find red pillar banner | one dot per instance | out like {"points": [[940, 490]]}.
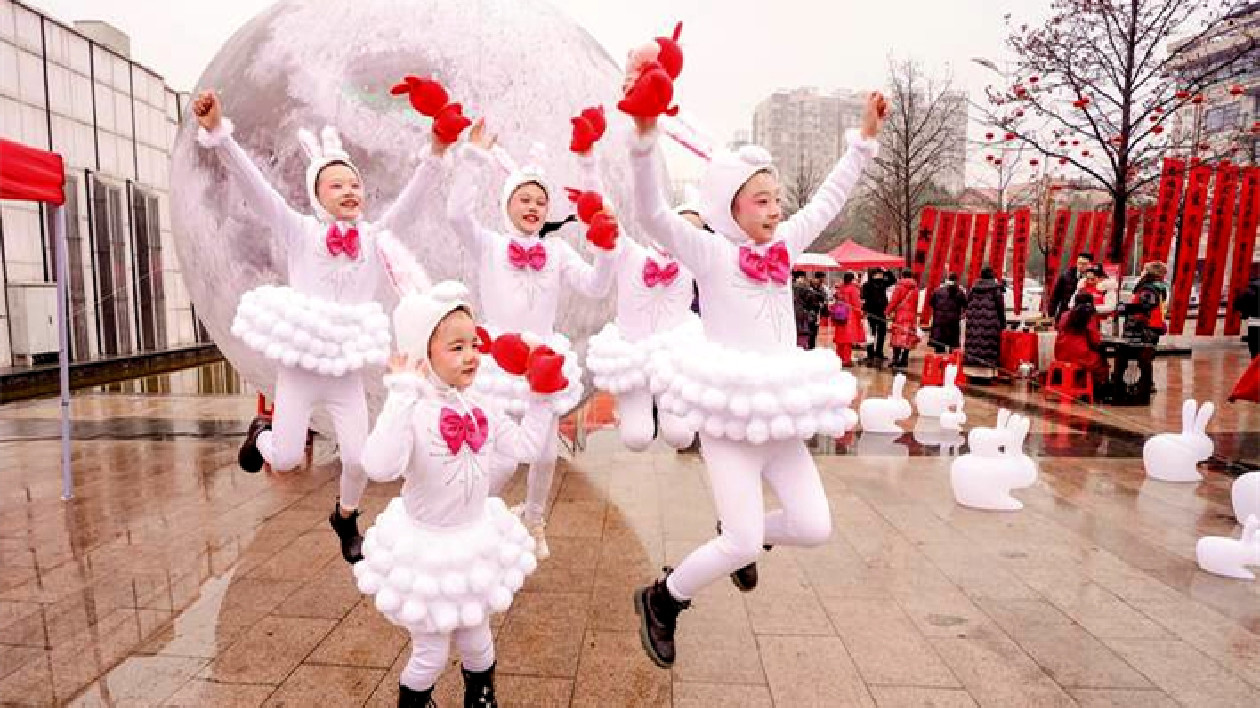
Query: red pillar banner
{"points": [[997, 249], [1170, 182], [978, 237], [927, 223], [958, 252], [944, 235], [1080, 236], [1188, 246], [1131, 219], [1054, 258], [1150, 233], [1244, 244], [1102, 228], [1019, 263], [1217, 248]]}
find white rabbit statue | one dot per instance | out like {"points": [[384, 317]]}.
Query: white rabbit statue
{"points": [[1172, 457], [1245, 494], [996, 464], [880, 415], [1229, 556], [932, 400]]}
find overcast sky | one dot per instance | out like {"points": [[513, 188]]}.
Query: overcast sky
{"points": [[738, 51]]}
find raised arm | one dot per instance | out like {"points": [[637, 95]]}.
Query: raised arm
{"points": [[387, 451], [215, 133], [694, 248], [470, 160], [406, 207], [803, 227], [593, 281]]}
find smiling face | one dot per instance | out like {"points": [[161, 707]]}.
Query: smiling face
{"points": [[527, 207], [453, 352], [339, 191], [756, 207]]}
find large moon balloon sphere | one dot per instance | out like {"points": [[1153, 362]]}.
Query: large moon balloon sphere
{"points": [[521, 64]]}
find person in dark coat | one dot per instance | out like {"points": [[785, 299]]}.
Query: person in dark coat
{"points": [[948, 304], [1247, 304], [1143, 326], [1066, 285], [875, 305], [986, 318], [807, 305]]}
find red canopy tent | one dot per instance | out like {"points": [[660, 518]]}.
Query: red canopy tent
{"points": [[32, 175], [855, 256]]}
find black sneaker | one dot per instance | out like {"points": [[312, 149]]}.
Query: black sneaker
{"points": [[658, 613], [347, 528], [249, 458], [479, 688]]}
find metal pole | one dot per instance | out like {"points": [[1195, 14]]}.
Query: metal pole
{"points": [[63, 355]]}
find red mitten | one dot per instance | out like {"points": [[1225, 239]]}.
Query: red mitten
{"points": [[546, 371], [603, 231], [588, 128], [449, 123], [595, 116], [426, 95], [671, 56], [484, 342], [650, 95], [588, 204], [511, 353]]}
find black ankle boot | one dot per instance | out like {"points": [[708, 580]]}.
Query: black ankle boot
{"points": [[411, 698], [745, 578], [658, 612], [479, 688], [249, 458], [347, 529]]}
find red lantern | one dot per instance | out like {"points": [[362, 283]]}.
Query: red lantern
{"points": [[997, 160], [1078, 104], [1117, 139], [988, 136], [1154, 119], [1158, 110], [1236, 90], [1183, 95], [1075, 143], [1063, 160], [1198, 98], [1034, 162], [1033, 79], [988, 158], [1157, 129], [1010, 136], [1084, 153], [1204, 147], [1062, 143], [1019, 113]]}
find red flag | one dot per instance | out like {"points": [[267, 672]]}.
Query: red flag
{"points": [[30, 175], [1058, 240], [1102, 226], [1244, 244], [1188, 247], [1170, 183], [997, 249], [944, 234], [927, 223], [1023, 219], [1131, 219], [1218, 247], [958, 252], [1080, 237], [978, 238]]}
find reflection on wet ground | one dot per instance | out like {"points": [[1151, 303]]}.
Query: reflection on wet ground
{"points": [[174, 578]]}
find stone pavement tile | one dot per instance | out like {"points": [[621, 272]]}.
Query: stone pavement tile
{"points": [[201, 692], [919, 697], [311, 685], [812, 671], [1121, 698], [704, 695], [269, 650], [614, 670], [996, 672], [886, 646], [363, 639], [1184, 673]]}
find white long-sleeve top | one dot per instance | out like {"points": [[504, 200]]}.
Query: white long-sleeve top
{"points": [[441, 488], [642, 310], [312, 270], [523, 300], [737, 311]]}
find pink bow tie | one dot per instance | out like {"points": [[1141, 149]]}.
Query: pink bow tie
{"points": [[534, 257], [654, 274], [339, 243], [458, 430], [775, 266]]}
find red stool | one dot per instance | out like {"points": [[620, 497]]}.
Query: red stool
{"points": [[1070, 381], [934, 366]]}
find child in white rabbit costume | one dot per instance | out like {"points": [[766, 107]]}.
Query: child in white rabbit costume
{"points": [[325, 326], [520, 276], [444, 555], [753, 395], [654, 294]]}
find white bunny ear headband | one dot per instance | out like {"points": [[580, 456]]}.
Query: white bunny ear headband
{"points": [[321, 152], [421, 305]]}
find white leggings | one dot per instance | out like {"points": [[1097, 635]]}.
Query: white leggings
{"points": [[735, 472], [297, 394], [634, 408], [538, 483], [430, 650]]}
